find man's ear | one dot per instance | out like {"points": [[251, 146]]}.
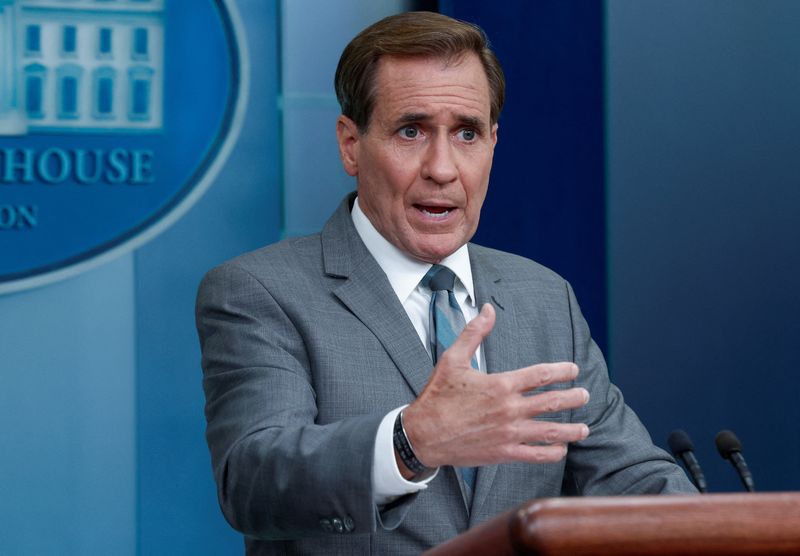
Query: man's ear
{"points": [[494, 136], [348, 137]]}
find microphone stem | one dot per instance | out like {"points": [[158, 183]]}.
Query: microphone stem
{"points": [[744, 472]]}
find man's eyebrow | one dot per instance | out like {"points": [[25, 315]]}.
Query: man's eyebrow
{"points": [[411, 117], [469, 121], [472, 121]]}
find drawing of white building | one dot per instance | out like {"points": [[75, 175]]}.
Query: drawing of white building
{"points": [[81, 66]]}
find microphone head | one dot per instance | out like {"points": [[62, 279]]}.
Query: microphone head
{"points": [[727, 444], [679, 442]]}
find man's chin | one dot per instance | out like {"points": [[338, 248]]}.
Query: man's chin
{"points": [[435, 252]]}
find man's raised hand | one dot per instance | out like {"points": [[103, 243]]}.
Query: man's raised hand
{"points": [[466, 418]]}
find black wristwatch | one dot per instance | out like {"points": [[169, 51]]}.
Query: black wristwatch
{"points": [[404, 449]]}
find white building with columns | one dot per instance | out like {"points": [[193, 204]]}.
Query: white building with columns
{"points": [[81, 66]]}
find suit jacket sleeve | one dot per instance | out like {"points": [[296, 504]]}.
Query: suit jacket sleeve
{"points": [[618, 457], [279, 474]]}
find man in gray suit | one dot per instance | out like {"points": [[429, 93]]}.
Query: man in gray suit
{"points": [[330, 427]]}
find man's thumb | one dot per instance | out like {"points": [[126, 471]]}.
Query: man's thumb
{"points": [[463, 349]]}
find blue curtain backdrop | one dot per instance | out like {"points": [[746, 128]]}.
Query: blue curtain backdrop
{"points": [[546, 194]]}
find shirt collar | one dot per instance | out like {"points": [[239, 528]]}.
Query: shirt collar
{"points": [[405, 272]]}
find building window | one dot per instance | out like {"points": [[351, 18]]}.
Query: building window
{"points": [[139, 43], [105, 96], [104, 93], [104, 42], [69, 77], [141, 97], [69, 40], [34, 91], [140, 93], [33, 96], [69, 97], [33, 39]]}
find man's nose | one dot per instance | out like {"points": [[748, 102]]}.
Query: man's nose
{"points": [[439, 162]]}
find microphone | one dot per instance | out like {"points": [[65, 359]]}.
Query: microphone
{"points": [[730, 448], [683, 449]]}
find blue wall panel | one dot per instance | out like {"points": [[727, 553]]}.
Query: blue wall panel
{"points": [[703, 225], [178, 512], [67, 416], [101, 405], [314, 180]]}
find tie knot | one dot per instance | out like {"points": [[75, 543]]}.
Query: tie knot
{"points": [[439, 278]]}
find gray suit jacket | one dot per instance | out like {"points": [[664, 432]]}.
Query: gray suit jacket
{"points": [[305, 349]]}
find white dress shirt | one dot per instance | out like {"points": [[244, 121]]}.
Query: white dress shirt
{"points": [[404, 273]]}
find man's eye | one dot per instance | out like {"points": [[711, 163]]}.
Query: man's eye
{"points": [[468, 134], [409, 132]]}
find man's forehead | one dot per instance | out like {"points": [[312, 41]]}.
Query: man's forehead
{"points": [[389, 67], [415, 88]]}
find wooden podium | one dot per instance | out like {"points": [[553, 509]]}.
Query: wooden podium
{"points": [[716, 524]]}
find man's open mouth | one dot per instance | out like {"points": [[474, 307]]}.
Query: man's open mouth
{"points": [[434, 212]]}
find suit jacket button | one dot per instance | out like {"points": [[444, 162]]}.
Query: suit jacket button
{"points": [[338, 525], [348, 524], [326, 525]]}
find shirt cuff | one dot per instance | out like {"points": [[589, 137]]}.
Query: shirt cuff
{"points": [[387, 482]]}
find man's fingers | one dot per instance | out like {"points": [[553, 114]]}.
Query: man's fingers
{"points": [[555, 400], [537, 432], [536, 376], [471, 337], [540, 433], [544, 442], [538, 454]]}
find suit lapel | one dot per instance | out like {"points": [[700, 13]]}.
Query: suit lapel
{"points": [[489, 288], [367, 293], [498, 348]]}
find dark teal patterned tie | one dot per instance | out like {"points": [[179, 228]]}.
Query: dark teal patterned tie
{"points": [[445, 324]]}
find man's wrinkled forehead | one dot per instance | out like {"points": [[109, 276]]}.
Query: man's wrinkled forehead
{"points": [[397, 89], [383, 64]]}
